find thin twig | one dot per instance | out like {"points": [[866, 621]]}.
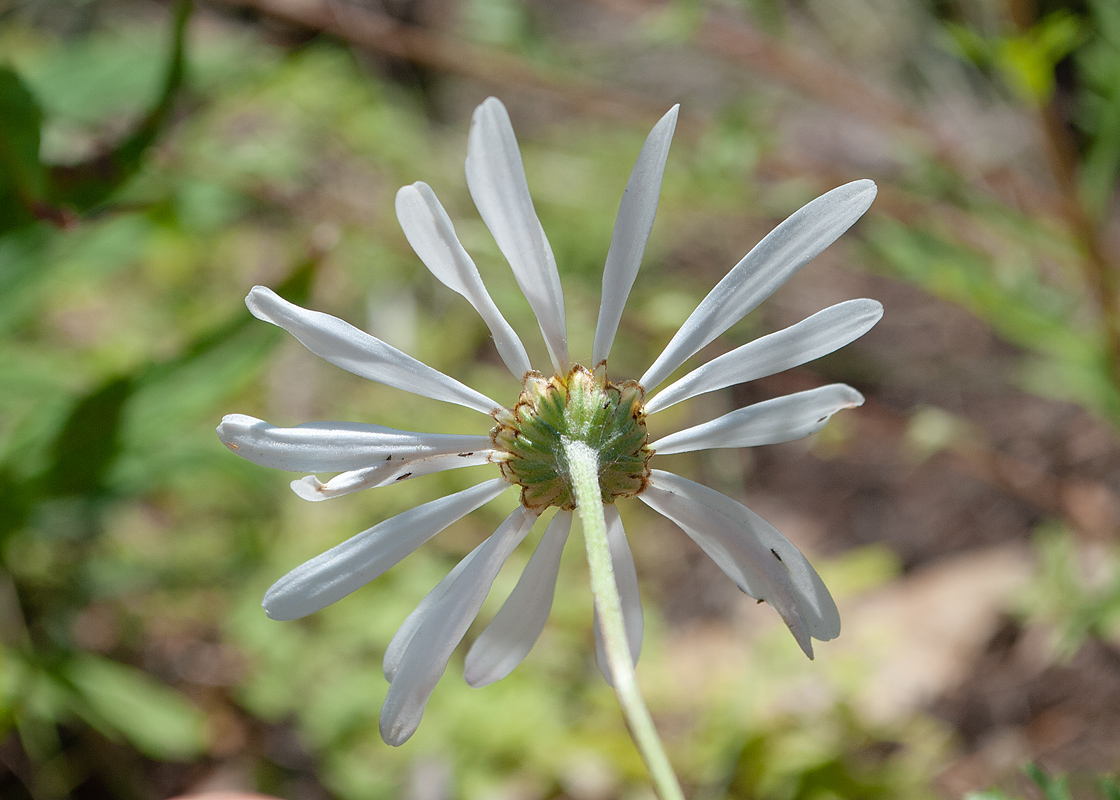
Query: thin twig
{"points": [[370, 29]]}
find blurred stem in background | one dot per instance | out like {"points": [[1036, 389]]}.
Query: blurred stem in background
{"points": [[1100, 266]]}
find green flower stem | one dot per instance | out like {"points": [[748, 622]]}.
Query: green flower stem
{"points": [[583, 466]]}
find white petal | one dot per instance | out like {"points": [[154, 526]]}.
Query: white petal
{"points": [[631, 232], [782, 419], [626, 578], [336, 573], [811, 338], [761, 561], [443, 627], [356, 351], [431, 234], [496, 179], [771, 263], [406, 468], [403, 637], [334, 446], [518, 624]]}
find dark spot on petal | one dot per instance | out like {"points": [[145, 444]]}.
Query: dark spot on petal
{"points": [[403, 477], [465, 455], [775, 552]]}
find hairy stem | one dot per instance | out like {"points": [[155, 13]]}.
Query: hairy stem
{"points": [[583, 464]]}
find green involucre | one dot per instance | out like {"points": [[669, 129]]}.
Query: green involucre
{"points": [[581, 406]]}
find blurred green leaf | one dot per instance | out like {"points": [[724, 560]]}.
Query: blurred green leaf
{"points": [[1052, 788], [23, 262], [1025, 60], [1110, 788], [1098, 106], [87, 185], [21, 172], [89, 441], [123, 701]]}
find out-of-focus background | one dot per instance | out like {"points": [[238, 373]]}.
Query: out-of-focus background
{"points": [[157, 160]]}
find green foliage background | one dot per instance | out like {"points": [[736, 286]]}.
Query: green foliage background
{"points": [[153, 169]]}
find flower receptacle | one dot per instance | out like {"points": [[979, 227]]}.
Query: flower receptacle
{"points": [[583, 406]]}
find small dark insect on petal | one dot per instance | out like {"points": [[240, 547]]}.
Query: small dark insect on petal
{"points": [[775, 552], [403, 477], [389, 457]]}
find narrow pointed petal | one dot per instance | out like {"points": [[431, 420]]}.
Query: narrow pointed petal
{"points": [[761, 561], [336, 573], [782, 419], [356, 351], [443, 627], [431, 234], [334, 446], [518, 624], [772, 262], [811, 338], [626, 578], [496, 179], [403, 637], [385, 473], [631, 232]]}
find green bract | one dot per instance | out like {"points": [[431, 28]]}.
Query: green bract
{"points": [[581, 406]]}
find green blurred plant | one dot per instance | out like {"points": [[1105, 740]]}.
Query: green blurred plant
{"points": [[1026, 59], [31, 190], [1052, 787], [1076, 593], [62, 453]]}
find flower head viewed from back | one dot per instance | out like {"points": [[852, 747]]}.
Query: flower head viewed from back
{"points": [[563, 412]]}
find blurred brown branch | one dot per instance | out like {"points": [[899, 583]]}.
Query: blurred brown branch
{"points": [[727, 35], [378, 32]]}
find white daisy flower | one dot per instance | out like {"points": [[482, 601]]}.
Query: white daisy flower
{"points": [[575, 404]]}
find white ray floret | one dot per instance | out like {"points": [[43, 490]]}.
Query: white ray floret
{"points": [[816, 336], [356, 351], [632, 227], [761, 561], [332, 575], [431, 644], [626, 578], [403, 637], [431, 234], [335, 446], [496, 179], [782, 419], [513, 631], [385, 473], [771, 263]]}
